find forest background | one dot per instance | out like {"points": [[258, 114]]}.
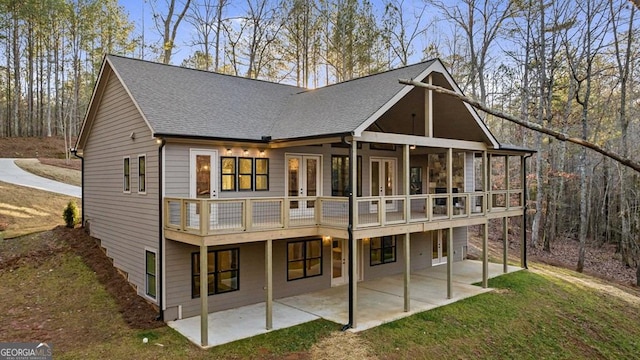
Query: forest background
{"points": [[572, 66]]}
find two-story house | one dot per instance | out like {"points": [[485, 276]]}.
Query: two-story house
{"points": [[212, 191]]}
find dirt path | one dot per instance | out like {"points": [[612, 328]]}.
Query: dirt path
{"points": [[630, 296]]}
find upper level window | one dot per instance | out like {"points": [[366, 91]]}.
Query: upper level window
{"points": [[340, 175], [262, 174], [142, 174], [126, 175], [245, 174], [228, 173]]}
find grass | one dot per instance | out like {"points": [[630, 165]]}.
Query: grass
{"points": [[547, 313], [530, 316], [26, 210], [56, 173]]}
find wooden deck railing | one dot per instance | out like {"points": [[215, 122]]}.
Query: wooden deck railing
{"points": [[219, 216]]}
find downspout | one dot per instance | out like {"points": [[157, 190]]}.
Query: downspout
{"points": [[352, 168], [524, 208], [74, 151], [160, 231]]}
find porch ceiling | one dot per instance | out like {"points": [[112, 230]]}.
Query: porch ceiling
{"points": [[451, 118]]}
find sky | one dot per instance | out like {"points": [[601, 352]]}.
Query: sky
{"points": [[140, 12]]}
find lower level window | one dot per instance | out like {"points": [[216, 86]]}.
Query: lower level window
{"points": [[150, 277], [304, 259], [223, 272], [383, 250]]}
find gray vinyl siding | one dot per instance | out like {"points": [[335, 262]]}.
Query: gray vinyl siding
{"points": [[469, 178], [177, 168], [126, 223], [459, 243], [420, 257], [252, 277]]}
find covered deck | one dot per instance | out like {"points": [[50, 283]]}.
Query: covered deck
{"points": [[381, 299]]}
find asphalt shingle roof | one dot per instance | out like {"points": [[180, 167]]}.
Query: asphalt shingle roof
{"points": [[186, 102]]}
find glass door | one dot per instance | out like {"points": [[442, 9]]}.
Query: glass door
{"points": [[383, 181], [303, 180], [203, 184], [339, 260], [439, 246]]}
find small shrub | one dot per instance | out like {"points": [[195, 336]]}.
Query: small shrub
{"points": [[71, 214]]}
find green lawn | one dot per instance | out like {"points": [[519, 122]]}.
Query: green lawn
{"points": [[530, 316], [55, 297]]}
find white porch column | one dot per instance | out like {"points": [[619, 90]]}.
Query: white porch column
{"points": [[353, 262], [407, 237], [450, 264], [268, 270], [505, 244], [485, 255], [204, 297], [428, 110]]}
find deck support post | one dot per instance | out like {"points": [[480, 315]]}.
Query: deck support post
{"points": [[407, 271], [450, 263], [204, 297], [523, 224], [505, 244], [353, 241], [353, 281], [485, 255], [268, 264]]}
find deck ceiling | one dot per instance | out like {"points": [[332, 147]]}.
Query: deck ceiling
{"points": [[452, 119]]}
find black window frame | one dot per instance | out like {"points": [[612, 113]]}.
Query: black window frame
{"points": [[334, 174], [305, 259], [148, 274], [195, 264], [126, 174], [261, 175], [381, 249], [232, 175], [248, 175], [142, 174]]}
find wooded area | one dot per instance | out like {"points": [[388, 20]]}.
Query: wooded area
{"points": [[571, 66]]}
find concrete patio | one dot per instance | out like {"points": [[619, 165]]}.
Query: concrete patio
{"points": [[379, 301]]}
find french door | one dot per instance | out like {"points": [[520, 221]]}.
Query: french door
{"points": [[439, 246], [383, 181], [304, 179]]}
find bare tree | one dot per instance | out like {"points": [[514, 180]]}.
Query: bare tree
{"points": [[167, 24], [206, 19], [402, 29], [481, 21]]}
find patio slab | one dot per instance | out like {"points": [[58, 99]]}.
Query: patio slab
{"points": [[240, 323], [379, 301]]}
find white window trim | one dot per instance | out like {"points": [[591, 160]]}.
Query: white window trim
{"points": [[146, 285], [123, 188], [145, 173]]}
